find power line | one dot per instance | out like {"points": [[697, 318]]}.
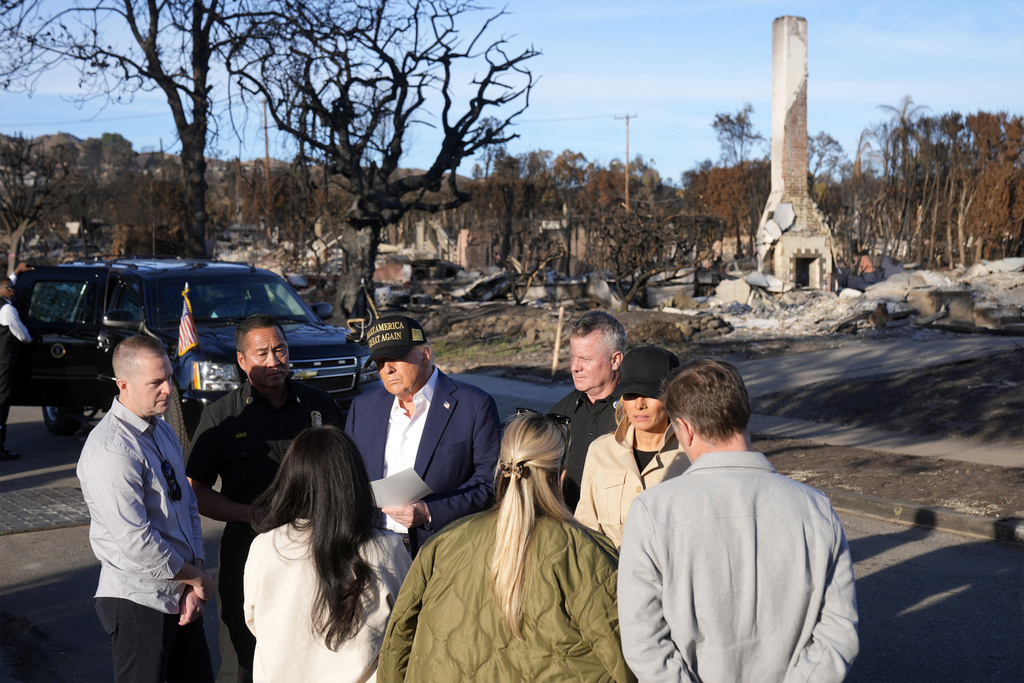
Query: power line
{"points": [[572, 118]]}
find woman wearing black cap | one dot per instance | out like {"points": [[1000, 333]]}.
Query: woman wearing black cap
{"points": [[641, 452]]}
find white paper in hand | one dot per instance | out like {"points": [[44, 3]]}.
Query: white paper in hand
{"points": [[399, 489]]}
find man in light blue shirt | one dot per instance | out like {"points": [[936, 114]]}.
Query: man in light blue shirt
{"points": [[732, 572], [145, 527]]}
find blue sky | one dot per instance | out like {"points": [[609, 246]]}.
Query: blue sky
{"points": [[673, 64]]}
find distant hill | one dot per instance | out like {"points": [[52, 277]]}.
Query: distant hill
{"points": [[216, 168]]}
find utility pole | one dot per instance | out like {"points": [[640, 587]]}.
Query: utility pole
{"points": [[627, 117], [266, 157]]}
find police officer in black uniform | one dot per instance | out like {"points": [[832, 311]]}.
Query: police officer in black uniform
{"points": [[242, 438]]}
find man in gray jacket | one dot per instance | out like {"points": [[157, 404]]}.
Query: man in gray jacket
{"points": [[731, 571]]}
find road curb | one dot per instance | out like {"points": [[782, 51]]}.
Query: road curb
{"points": [[991, 528]]}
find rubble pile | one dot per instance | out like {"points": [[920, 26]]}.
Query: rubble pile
{"points": [[988, 297]]}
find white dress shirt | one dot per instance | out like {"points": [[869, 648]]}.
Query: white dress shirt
{"points": [[404, 435], [9, 318]]}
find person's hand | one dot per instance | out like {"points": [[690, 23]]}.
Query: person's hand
{"points": [[22, 268], [413, 514], [190, 607], [202, 585]]}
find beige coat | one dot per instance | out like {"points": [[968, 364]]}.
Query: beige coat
{"points": [[611, 480]]}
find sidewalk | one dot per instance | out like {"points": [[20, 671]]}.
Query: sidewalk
{"points": [[888, 442]]}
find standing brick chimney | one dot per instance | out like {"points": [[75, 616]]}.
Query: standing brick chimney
{"points": [[793, 241]]}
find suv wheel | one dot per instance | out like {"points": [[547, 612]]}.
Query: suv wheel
{"points": [[176, 418], [59, 422]]}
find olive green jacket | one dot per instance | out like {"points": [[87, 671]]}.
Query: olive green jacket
{"points": [[446, 625]]}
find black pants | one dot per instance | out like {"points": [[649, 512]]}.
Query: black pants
{"points": [[6, 377], [149, 645], [234, 550]]}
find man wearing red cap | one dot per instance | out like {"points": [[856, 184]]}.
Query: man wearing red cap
{"points": [[444, 429]]}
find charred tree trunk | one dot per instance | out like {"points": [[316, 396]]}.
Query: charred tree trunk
{"points": [[360, 249]]}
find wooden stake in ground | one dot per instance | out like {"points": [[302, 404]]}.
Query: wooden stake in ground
{"points": [[558, 340]]}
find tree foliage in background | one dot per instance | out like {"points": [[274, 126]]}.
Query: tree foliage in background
{"points": [[740, 143], [958, 200]]}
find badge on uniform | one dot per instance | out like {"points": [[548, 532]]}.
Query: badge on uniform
{"points": [[316, 418], [447, 405]]}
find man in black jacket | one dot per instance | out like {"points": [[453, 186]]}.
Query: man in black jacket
{"points": [[596, 346], [242, 438]]}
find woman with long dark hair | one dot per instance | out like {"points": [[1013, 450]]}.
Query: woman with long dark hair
{"points": [[521, 592], [322, 576]]}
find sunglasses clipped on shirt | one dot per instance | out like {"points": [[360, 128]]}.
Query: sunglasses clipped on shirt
{"points": [[172, 479]]}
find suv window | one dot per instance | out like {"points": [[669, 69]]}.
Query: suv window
{"points": [[229, 299], [61, 301], [128, 297]]}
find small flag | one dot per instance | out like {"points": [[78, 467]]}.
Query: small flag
{"points": [[187, 337]]}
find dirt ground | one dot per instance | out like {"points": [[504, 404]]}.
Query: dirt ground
{"points": [[980, 401]]}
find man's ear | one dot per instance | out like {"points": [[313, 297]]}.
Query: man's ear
{"points": [[684, 432], [121, 384], [616, 360]]}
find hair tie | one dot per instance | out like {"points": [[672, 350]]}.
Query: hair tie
{"points": [[517, 471]]}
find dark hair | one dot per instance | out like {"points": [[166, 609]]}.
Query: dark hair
{"points": [[322, 487], [130, 350], [612, 331], [710, 395], [259, 321]]}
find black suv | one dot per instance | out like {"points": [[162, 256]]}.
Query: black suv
{"points": [[77, 313]]}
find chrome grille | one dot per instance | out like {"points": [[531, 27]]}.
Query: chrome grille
{"points": [[333, 375]]}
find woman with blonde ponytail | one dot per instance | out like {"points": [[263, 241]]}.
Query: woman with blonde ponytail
{"points": [[520, 592]]}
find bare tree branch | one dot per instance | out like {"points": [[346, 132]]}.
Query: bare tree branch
{"points": [[354, 83]]}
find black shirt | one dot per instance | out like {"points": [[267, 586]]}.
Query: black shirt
{"points": [[242, 437], [589, 421], [643, 458]]}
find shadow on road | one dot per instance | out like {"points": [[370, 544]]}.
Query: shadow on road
{"points": [[952, 614]]}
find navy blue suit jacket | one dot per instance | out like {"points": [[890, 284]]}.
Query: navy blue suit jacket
{"points": [[457, 454]]}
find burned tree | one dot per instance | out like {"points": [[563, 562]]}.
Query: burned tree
{"points": [[31, 176], [353, 82], [121, 47], [635, 246]]}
